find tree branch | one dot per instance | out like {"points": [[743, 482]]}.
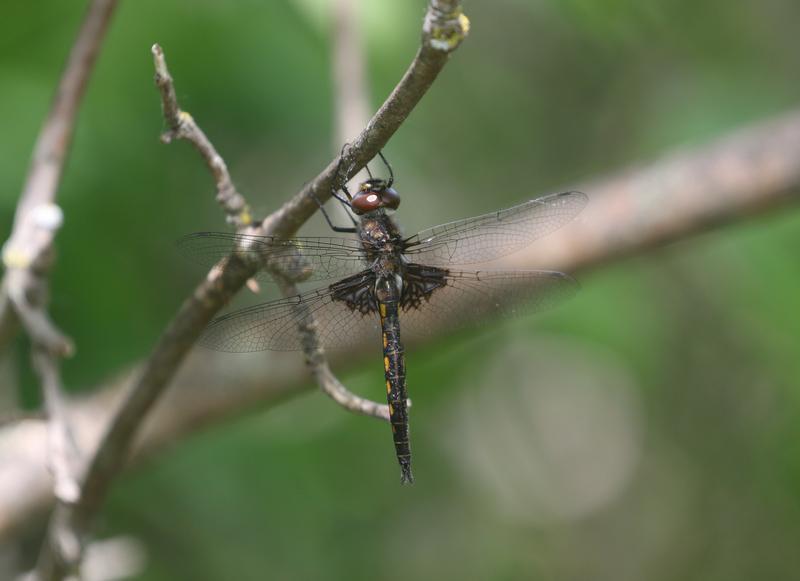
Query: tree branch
{"points": [[28, 256], [63, 455], [443, 29], [747, 173], [37, 219]]}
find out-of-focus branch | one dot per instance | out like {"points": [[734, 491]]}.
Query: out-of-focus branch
{"points": [[64, 457], [351, 106], [693, 190], [70, 523], [750, 172], [28, 256], [351, 97], [17, 416], [182, 126], [443, 30], [36, 219]]}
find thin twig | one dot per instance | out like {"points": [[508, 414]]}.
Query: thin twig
{"points": [[748, 173], [442, 32], [318, 363], [182, 126]]}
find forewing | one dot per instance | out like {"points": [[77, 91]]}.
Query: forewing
{"points": [[469, 298], [274, 326], [302, 258], [496, 234]]}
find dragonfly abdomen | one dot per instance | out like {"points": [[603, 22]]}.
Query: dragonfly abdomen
{"points": [[395, 373]]}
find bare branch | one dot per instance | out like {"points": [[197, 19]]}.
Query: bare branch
{"points": [[64, 464], [159, 369], [26, 290], [27, 255], [344, 397], [31, 237], [223, 282], [182, 126], [751, 172], [63, 455]]}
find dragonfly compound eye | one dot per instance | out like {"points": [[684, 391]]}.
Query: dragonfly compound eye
{"points": [[366, 201], [390, 198]]}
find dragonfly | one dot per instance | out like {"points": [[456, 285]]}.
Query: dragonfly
{"points": [[388, 282]]}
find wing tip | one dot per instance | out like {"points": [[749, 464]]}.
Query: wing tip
{"points": [[184, 243], [576, 286], [575, 196]]}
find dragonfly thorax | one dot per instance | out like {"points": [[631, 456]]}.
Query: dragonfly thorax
{"points": [[380, 236]]}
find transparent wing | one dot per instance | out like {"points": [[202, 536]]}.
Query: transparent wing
{"points": [[496, 234], [274, 326], [465, 299], [470, 298], [302, 258]]}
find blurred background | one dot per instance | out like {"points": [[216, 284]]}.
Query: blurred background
{"points": [[648, 429]]}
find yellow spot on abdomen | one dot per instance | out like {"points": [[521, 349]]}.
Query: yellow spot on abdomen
{"points": [[388, 387], [386, 363], [385, 341], [391, 410], [383, 310]]}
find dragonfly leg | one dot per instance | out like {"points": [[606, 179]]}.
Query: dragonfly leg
{"points": [[334, 227], [340, 179], [389, 167]]}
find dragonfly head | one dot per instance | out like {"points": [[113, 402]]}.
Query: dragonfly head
{"points": [[373, 194]]}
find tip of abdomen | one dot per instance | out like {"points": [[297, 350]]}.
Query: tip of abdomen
{"points": [[405, 473]]}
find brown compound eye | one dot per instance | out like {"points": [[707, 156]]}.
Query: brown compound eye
{"points": [[366, 201], [390, 198]]}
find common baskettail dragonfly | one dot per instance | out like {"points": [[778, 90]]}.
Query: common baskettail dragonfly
{"points": [[389, 282]]}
